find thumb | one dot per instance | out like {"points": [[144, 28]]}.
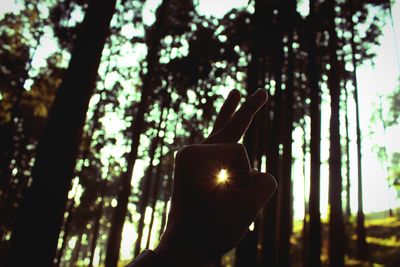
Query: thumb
{"points": [[261, 188]]}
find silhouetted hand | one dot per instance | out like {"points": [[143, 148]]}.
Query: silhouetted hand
{"points": [[211, 210]]}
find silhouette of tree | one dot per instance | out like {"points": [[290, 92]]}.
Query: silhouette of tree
{"points": [[54, 165]]}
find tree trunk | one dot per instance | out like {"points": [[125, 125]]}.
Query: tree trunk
{"points": [[306, 213], [67, 226], [247, 251], [348, 177], [362, 248], [269, 251], [41, 213], [154, 197], [314, 245], [147, 182], [96, 227], [157, 182], [76, 251], [152, 59], [336, 226], [285, 196]]}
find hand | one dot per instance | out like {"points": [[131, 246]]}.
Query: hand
{"points": [[209, 216]]}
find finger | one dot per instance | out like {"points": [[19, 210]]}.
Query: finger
{"points": [[240, 121], [260, 189], [227, 109]]}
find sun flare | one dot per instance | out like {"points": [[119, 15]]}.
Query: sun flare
{"points": [[222, 176]]}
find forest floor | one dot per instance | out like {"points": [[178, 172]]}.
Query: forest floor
{"points": [[383, 238]]}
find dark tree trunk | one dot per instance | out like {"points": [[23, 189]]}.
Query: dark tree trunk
{"points": [[269, 250], [314, 245], [41, 213], [336, 226], [166, 197], [66, 230], [147, 182], [70, 207], [348, 177], [246, 251], [156, 187], [284, 225], [77, 251], [306, 213], [152, 59], [362, 248], [97, 219]]}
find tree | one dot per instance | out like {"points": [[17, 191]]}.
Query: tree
{"points": [[336, 226], [314, 250], [152, 59], [362, 249], [147, 182], [43, 208], [246, 251], [285, 188]]}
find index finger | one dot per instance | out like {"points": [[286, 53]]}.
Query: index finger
{"points": [[227, 109], [240, 121]]}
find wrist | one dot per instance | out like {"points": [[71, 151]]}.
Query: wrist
{"points": [[177, 252]]}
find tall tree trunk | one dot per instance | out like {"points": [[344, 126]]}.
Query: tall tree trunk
{"points": [[147, 182], [306, 212], [152, 59], [157, 181], [76, 251], [97, 219], [66, 230], [246, 251], [348, 176], [70, 207], [285, 196], [156, 187], [167, 185], [314, 245], [336, 226], [41, 213], [362, 248], [166, 197], [269, 253]]}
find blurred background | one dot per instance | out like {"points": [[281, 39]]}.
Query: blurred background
{"points": [[96, 96]]}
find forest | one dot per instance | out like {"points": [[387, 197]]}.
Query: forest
{"points": [[96, 97]]}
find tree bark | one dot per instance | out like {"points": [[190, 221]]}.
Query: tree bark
{"points": [[41, 213], [314, 245], [147, 182], [96, 227], [152, 59], [247, 251], [348, 177], [285, 196], [269, 253], [362, 248], [336, 226]]}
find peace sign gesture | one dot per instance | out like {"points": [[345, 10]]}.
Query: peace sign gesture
{"points": [[216, 195]]}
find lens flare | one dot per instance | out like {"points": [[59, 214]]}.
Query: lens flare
{"points": [[222, 176]]}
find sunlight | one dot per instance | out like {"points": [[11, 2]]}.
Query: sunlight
{"points": [[222, 176]]}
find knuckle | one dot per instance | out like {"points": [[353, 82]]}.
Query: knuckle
{"points": [[184, 151], [239, 148]]}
